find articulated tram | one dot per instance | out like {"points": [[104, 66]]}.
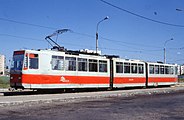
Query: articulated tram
{"points": [[55, 69]]}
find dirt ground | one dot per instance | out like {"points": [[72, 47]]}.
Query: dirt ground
{"points": [[168, 106]]}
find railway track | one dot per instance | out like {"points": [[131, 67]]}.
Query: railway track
{"points": [[8, 92], [40, 92], [36, 97]]}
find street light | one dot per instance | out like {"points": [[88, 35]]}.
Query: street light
{"points": [[107, 17], [178, 9], [165, 48]]}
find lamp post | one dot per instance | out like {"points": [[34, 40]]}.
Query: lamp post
{"points": [[178, 9], [165, 48], [107, 17]]}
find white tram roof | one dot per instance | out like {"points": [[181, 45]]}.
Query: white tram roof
{"points": [[64, 53], [128, 60], [160, 63], [91, 55]]}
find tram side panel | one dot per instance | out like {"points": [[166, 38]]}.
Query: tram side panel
{"points": [[48, 69], [38, 74], [161, 74], [55, 70], [129, 73]]}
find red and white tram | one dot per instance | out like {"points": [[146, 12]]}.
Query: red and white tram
{"points": [[51, 69], [129, 73], [161, 74]]}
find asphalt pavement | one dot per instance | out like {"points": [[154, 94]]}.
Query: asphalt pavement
{"points": [[45, 98], [144, 104]]}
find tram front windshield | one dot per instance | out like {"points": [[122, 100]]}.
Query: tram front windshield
{"points": [[17, 62]]}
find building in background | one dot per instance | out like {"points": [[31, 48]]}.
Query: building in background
{"points": [[2, 65], [182, 70]]}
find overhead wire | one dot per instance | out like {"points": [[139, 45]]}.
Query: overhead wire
{"points": [[83, 34], [140, 16], [180, 48], [25, 23], [35, 39], [147, 52], [118, 41], [15, 36], [91, 36], [133, 44], [177, 60], [114, 49], [105, 48]]}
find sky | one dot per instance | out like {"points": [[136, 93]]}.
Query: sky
{"points": [[136, 29]]}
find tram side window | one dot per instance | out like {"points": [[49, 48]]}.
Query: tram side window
{"points": [[102, 66], [141, 68], [119, 67], [133, 68], [156, 69], [126, 67], [172, 70], [57, 62], [93, 66], [167, 69], [161, 69], [70, 63], [151, 69], [176, 70], [33, 61], [82, 64]]}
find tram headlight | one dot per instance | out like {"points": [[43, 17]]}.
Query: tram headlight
{"points": [[19, 78]]}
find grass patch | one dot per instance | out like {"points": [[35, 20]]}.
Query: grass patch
{"points": [[180, 80], [4, 82]]}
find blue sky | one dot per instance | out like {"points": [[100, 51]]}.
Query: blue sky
{"points": [[125, 34]]}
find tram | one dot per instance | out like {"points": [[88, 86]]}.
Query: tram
{"points": [[62, 69]]}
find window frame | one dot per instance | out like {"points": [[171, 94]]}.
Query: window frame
{"points": [[82, 64], [32, 61], [140, 68], [127, 67], [162, 69], [151, 69], [103, 66], [134, 69], [59, 65], [167, 70], [157, 69], [93, 65], [119, 67], [70, 63]]}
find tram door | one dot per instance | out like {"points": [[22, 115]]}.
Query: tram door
{"points": [[111, 74], [146, 70], [32, 60]]}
